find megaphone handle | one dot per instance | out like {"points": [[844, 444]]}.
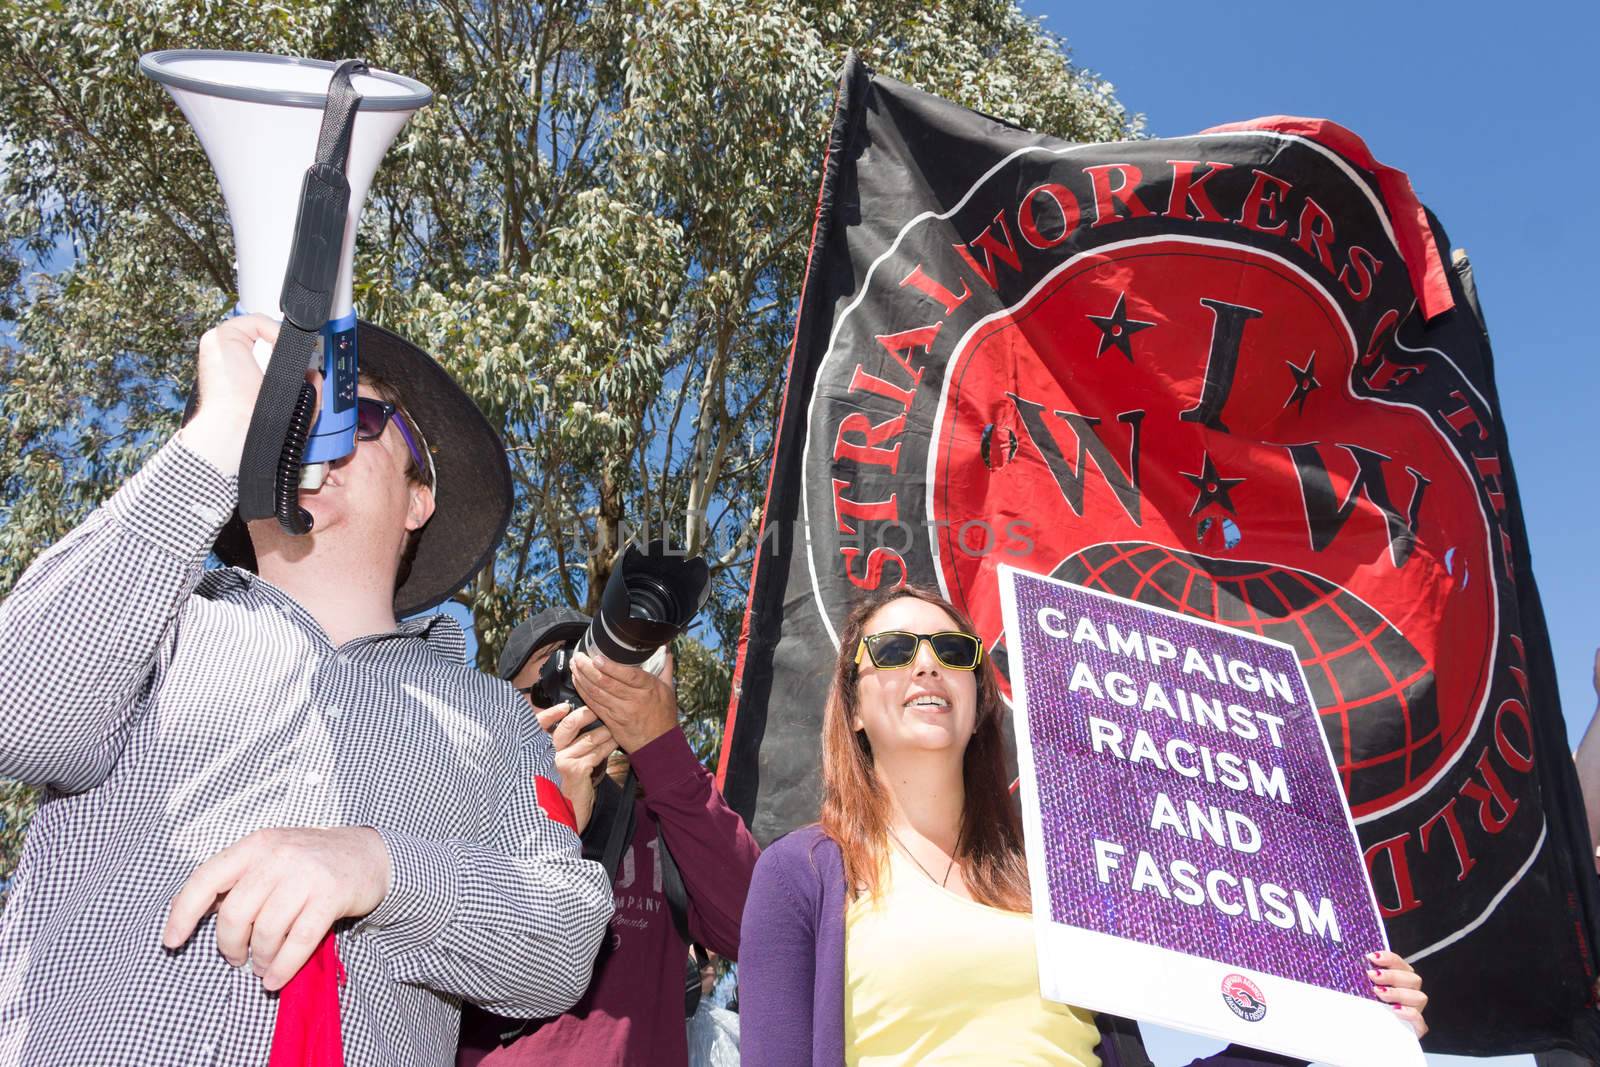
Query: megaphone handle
{"points": [[291, 516]]}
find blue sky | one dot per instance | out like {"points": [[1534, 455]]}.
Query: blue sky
{"points": [[1491, 111]]}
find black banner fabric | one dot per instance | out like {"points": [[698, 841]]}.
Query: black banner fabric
{"points": [[1235, 375]]}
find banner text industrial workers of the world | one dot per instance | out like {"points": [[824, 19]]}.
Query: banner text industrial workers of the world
{"points": [[1180, 879]]}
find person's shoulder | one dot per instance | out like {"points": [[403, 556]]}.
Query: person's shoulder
{"points": [[485, 697], [802, 840], [803, 855], [798, 875], [491, 696]]}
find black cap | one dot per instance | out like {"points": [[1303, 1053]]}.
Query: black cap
{"points": [[551, 624]]}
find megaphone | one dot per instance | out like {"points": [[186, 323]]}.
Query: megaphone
{"points": [[295, 144]]}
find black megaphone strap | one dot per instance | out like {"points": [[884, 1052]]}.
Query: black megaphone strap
{"points": [[269, 470]]}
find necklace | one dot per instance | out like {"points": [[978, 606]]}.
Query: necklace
{"points": [[940, 882]]}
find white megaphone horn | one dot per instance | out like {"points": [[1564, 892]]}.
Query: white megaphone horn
{"points": [[258, 118]]}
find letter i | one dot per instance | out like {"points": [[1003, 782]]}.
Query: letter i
{"points": [[1250, 899]]}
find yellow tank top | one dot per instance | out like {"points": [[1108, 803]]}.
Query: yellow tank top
{"points": [[934, 978]]}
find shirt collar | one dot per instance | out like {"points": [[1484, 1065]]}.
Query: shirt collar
{"points": [[442, 633]]}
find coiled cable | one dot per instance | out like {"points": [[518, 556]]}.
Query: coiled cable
{"points": [[291, 516]]}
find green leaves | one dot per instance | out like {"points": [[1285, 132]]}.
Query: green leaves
{"points": [[17, 805], [598, 227]]}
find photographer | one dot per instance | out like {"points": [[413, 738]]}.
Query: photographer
{"points": [[253, 767], [683, 836]]}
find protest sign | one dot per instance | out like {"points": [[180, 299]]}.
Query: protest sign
{"points": [[1186, 829]]}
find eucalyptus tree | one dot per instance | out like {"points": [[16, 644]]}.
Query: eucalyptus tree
{"points": [[599, 227]]}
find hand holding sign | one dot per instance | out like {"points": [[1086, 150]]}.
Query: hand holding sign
{"points": [[1398, 985]]}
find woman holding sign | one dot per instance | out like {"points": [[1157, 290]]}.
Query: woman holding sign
{"points": [[898, 929]]}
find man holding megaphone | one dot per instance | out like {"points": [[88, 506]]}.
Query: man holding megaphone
{"points": [[238, 763], [279, 826]]}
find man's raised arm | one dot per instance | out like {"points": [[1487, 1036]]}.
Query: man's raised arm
{"points": [[82, 631]]}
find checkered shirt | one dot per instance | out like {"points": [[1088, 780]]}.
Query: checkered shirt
{"points": [[169, 711]]}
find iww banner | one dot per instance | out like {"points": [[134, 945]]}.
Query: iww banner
{"points": [[1236, 375]]}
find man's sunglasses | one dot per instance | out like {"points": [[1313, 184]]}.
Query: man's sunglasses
{"points": [[372, 415], [894, 649]]}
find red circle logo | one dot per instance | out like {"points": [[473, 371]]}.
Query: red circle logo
{"points": [[1244, 998], [1132, 427]]}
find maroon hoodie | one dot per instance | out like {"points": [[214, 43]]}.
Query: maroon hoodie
{"points": [[632, 1012]]}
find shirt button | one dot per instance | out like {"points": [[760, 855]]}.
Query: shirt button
{"points": [[314, 779], [334, 711]]}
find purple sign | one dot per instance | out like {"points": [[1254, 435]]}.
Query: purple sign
{"points": [[1187, 799]]}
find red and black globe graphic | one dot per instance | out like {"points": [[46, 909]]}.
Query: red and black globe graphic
{"points": [[1180, 423], [1374, 690]]}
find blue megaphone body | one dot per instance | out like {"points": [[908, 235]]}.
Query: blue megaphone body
{"points": [[334, 434]]}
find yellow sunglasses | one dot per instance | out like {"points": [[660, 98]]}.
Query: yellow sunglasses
{"points": [[893, 649]]}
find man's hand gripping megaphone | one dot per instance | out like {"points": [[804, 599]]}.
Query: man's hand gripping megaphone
{"points": [[228, 379]]}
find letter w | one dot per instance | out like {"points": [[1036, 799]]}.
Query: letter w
{"points": [[1326, 516], [992, 250], [1070, 480]]}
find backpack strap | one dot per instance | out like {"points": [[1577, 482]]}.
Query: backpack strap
{"points": [[611, 825]]}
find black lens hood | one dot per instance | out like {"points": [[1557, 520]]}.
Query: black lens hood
{"points": [[618, 630]]}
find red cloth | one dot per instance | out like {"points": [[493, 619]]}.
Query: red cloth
{"points": [[555, 804], [1412, 233], [307, 1032]]}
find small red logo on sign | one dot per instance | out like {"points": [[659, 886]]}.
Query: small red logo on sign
{"points": [[1244, 998]]}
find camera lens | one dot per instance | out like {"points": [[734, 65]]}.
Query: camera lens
{"points": [[650, 600], [651, 597]]}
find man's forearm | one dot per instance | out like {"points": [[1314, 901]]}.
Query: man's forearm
{"points": [[515, 935], [714, 851], [82, 629], [512, 922]]}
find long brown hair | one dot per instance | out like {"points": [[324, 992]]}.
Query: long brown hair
{"points": [[855, 807]]}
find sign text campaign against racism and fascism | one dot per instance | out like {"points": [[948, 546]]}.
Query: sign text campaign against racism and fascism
{"points": [[1186, 829]]}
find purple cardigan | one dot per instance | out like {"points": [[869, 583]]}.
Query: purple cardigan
{"points": [[791, 968]]}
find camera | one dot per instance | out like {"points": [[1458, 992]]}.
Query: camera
{"points": [[652, 596]]}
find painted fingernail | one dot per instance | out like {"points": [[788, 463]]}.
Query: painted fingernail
{"points": [[1398, 1007], [1377, 992], [1373, 956], [1374, 974]]}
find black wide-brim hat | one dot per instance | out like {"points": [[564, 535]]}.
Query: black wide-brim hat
{"points": [[472, 497]]}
